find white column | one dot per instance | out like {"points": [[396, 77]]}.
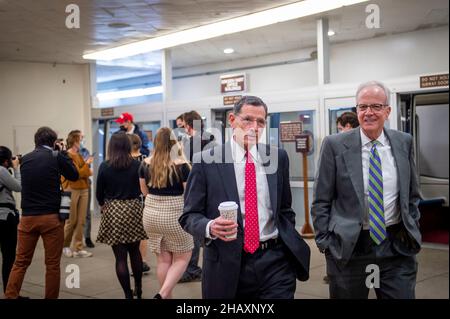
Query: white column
{"points": [[166, 80], [323, 51], [323, 65], [93, 84]]}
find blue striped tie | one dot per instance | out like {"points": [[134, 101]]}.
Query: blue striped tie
{"points": [[376, 205]]}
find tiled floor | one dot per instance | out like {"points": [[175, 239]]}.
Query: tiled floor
{"points": [[98, 278]]}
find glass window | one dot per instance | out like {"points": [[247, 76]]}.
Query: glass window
{"points": [[295, 159], [334, 114], [150, 128], [130, 80]]}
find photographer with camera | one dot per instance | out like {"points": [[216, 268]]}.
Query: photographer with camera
{"points": [[9, 216], [41, 171]]}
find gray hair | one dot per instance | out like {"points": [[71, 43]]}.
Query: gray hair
{"points": [[387, 92]]}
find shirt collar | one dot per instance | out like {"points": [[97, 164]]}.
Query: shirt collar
{"points": [[366, 141], [238, 152], [132, 129]]}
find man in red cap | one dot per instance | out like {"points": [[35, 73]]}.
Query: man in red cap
{"points": [[128, 126]]}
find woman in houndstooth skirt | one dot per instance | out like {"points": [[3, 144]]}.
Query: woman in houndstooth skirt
{"points": [[118, 193], [163, 177]]}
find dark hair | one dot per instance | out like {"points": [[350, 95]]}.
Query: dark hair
{"points": [[180, 117], [5, 155], [348, 118], [190, 117], [135, 141], [45, 136], [119, 151], [250, 100]]}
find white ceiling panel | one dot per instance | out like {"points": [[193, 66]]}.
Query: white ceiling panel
{"points": [[34, 30]]}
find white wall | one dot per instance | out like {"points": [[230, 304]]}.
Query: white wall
{"points": [[34, 95], [383, 58], [390, 57], [266, 79]]}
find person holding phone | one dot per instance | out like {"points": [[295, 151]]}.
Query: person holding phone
{"points": [[80, 198], [87, 226]]}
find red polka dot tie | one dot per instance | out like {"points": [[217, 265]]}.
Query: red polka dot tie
{"points": [[251, 229]]}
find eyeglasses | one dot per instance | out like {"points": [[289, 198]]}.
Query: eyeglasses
{"points": [[373, 107], [247, 121]]}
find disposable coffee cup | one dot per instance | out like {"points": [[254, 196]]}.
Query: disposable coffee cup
{"points": [[228, 210]]}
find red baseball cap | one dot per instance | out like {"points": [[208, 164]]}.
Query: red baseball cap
{"points": [[125, 117]]}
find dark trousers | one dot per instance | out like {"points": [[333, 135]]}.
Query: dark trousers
{"points": [[87, 225], [51, 229], [267, 274], [8, 244], [397, 273], [193, 269]]}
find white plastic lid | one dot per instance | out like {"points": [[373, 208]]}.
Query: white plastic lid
{"points": [[228, 205]]}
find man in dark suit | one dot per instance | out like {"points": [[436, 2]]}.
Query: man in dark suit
{"points": [[365, 207], [268, 254], [197, 141]]}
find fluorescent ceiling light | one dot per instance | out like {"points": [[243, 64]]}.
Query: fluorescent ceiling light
{"points": [[331, 33], [228, 50], [247, 22], [129, 93]]}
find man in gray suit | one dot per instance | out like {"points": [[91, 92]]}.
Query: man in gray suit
{"points": [[365, 207]]}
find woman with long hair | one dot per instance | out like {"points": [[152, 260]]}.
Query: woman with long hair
{"points": [[136, 145], [118, 195], [163, 177]]}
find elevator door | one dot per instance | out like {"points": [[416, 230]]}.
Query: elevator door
{"points": [[426, 117]]}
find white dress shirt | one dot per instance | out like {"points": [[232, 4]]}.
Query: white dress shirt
{"points": [[267, 228], [390, 179]]}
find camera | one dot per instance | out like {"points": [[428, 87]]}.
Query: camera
{"points": [[19, 157], [59, 145]]}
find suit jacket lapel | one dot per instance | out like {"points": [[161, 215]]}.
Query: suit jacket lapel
{"points": [[226, 171], [353, 161], [272, 179], [402, 163]]}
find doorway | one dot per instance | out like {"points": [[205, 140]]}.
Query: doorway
{"points": [[426, 117]]}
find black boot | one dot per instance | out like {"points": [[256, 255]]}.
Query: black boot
{"points": [[138, 291], [89, 243], [129, 294]]}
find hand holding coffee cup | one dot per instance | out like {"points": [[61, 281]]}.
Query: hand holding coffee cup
{"points": [[225, 226]]}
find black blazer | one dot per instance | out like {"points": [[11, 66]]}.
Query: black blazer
{"points": [[211, 183]]}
